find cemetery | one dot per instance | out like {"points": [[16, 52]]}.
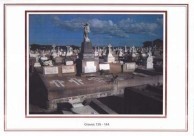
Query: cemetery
{"points": [[79, 81]]}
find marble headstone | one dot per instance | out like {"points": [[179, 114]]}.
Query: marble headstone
{"points": [[68, 69], [69, 51], [120, 53], [149, 64], [110, 57], [48, 70], [58, 60], [129, 67], [69, 62], [89, 67], [104, 66], [37, 63]]}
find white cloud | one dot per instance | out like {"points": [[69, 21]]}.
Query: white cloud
{"points": [[160, 21], [121, 29], [130, 26]]}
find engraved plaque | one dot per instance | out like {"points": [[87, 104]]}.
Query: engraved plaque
{"points": [[88, 55], [104, 66], [69, 62], [68, 69], [131, 66], [50, 70], [90, 69]]}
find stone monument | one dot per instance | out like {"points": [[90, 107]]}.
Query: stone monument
{"points": [[89, 63], [95, 52], [43, 56], [63, 53], [120, 52], [110, 57], [54, 53], [143, 53], [86, 47], [134, 52], [129, 67], [69, 51], [56, 56], [99, 52], [104, 51], [37, 63], [126, 49], [149, 64]]}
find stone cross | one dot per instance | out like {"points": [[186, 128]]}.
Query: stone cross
{"points": [[109, 49], [125, 48], [110, 57]]}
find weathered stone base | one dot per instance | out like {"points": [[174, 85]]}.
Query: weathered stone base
{"points": [[52, 104]]}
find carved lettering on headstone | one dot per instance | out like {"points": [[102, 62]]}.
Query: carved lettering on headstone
{"points": [[50, 70], [69, 62], [104, 66], [131, 66], [90, 67], [68, 69]]}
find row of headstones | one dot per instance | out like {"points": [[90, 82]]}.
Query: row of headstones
{"points": [[98, 51], [55, 53], [42, 55], [121, 51], [149, 64], [71, 69], [110, 59]]}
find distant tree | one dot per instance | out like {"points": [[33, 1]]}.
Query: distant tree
{"points": [[147, 44], [158, 43], [39, 46], [34, 46]]}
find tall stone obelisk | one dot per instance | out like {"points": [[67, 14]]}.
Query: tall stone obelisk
{"points": [[89, 64], [86, 46]]}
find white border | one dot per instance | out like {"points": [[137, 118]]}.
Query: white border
{"points": [[175, 72]]}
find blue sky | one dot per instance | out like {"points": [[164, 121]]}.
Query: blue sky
{"points": [[116, 29]]}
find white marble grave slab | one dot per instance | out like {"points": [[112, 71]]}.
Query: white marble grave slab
{"points": [[68, 69], [50, 70], [131, 66], [90, 69], [104, 66], [150, 62], [69, 62]]}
